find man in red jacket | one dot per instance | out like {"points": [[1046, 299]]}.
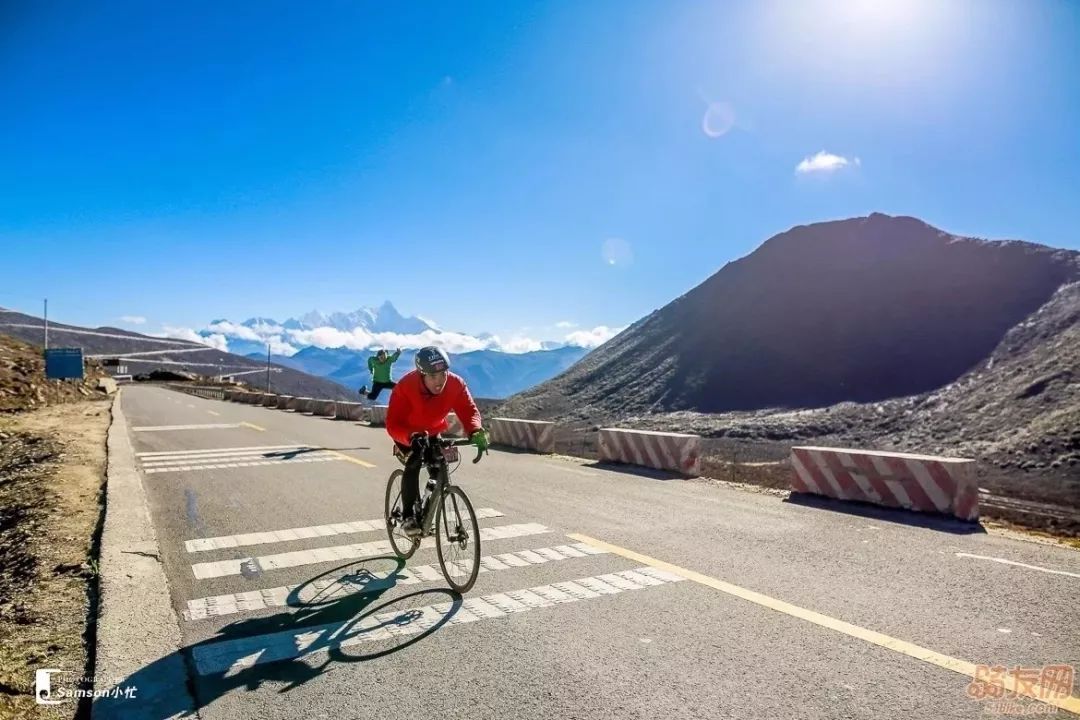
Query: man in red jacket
{"points": [[418, 408]]}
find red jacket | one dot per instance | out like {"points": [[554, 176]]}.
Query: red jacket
{"points": [[413, 409]]}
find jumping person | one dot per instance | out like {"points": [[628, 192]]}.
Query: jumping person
{"points": [[379, 367]]}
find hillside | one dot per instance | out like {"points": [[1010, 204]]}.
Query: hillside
{"points": [[144, 354], [22, 379], [858, 310]]}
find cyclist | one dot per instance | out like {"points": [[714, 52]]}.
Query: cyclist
{"points": [[379, 367], [418, 409]]}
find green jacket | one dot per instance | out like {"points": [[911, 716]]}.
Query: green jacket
{"points": [[380, 371]]}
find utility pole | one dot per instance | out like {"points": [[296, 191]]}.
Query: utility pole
{"points": [[46, 323], [267, 367]]}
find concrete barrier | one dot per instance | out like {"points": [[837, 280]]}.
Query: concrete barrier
{"points": [[283, 401], [269, 400], [924, 483], [377, 414], [664, 451], [306, 405], [349, 411], [535, 435], [325, 408], [294, 404], [454, 426], [107, 385]]}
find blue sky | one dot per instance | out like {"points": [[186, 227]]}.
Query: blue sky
{"points": [[502, 167]]}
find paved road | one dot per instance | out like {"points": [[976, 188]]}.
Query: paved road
{"points": [[569, 620]]}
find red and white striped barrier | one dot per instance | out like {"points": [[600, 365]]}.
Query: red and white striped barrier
{"points": [[455, 428], [324, 408], [914, 482], [377, 414], [663, 451], [537, 435], [349, 411]]}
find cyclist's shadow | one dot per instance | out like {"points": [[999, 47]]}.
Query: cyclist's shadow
{"points": [[329, 613]]}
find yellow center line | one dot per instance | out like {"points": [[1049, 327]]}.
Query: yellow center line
{"points": [[348, 458], [253, 426], [1032, 690]]}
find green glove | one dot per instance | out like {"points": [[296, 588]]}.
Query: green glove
{"points": [[480, 440]]}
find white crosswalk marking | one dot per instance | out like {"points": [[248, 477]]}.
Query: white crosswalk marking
{"points": [[259, 538], [230, 657], [257, 463], [205, 451], [218, 605], [355, 551]]}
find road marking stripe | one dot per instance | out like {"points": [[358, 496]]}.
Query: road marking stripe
{"points": [[253, 426], [1003, 561], [218, 466], [233, 656], [169, 428], [254, 565], [350, 458], [230, 604], [214, 413], [218, 450], [249, 455], [963, 667], [301, 533]]}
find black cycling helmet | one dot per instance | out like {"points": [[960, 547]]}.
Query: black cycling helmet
{"points": [[431, 360]]}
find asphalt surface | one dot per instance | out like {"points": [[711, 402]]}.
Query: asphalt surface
{"points": [[323, 635]]}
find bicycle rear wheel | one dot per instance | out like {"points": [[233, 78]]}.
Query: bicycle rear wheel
{"points": [[457, 538], [403, 545]]}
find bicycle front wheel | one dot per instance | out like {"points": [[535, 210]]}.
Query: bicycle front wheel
{"points": [[403, 545], [457, 538]]}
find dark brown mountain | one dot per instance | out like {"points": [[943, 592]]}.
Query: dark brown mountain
{"points": [[857, 310]]}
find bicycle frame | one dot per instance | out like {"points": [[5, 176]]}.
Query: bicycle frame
{"points": [[431, 503]]}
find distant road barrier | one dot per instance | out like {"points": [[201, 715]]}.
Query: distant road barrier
{"points": [[660, 450], [324, 407], [269, 400], [283, 401], [534, 435], [306, 405], [924, 483], [350, 411], [294, 403], [377, 414]]}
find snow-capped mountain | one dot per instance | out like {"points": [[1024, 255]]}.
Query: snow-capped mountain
{"points": [[383, 319]]}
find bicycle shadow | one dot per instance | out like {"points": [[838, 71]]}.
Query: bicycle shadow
{"points": [[290, 454], [336, 614]]}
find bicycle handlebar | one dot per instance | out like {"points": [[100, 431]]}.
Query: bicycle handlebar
{"points": [[459, 442]]}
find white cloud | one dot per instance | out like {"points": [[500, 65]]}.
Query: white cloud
{"points": [[133, 319], [216, 341], [240, 332], [288, 342], [360, 339], [592, 338], [278, 346], [824, 162], [521, 344]]}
